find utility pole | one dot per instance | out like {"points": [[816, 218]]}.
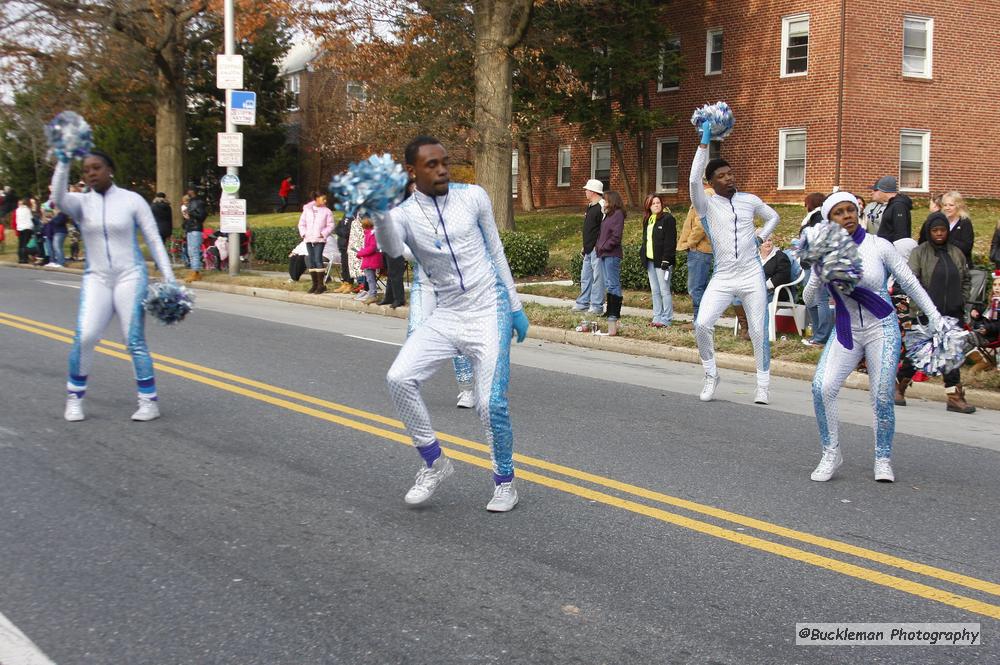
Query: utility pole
{"points": [[234, 238]]}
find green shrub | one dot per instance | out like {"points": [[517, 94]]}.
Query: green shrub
{"points": [[634, 271], [527, 254], [271, 244]]}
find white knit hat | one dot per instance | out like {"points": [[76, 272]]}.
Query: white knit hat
{"points": [[834, 199]]}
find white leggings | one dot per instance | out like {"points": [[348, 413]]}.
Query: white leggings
{"points": [[750, 288], [102, 296], [878, 344], [484, 338]]}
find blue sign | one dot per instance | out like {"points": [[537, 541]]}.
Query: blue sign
{"points": [[243, 107]]}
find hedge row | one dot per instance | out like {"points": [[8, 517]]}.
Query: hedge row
{"points": [[527, 254], [634, 274]]}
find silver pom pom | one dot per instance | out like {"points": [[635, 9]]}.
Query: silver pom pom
{"points": [[719, 114], [937, 351], [68, 136], [830, 250]]}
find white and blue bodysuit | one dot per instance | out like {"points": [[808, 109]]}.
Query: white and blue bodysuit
{"points": [[114, 277], [455, 240], [729, 224], [422, 303], [875, 339]]}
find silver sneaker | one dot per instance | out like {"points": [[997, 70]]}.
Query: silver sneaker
{"points": [[148, 410], [828, 464], [883, 470], [760, 397], [466, 399], [428, 479], [708, 390], [74, 409], [504, 498]]}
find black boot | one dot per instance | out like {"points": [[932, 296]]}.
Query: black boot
{"points": [[320, 282], [607, 306], [315, 282]]}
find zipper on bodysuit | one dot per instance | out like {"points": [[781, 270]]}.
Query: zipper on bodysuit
{"points": [[104, 224], [736, 238]]}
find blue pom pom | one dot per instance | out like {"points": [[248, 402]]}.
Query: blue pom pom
{"points": [[937, 351], [69, 136], [169, 302], [831, 251], [719, 114], [370, 187]]}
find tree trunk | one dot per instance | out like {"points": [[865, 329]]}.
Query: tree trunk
{"points": [[616, 148], [171, 129], [525, 193], [494, 107], [643, 163]]}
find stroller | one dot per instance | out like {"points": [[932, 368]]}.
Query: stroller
{"points": [[215, 255]]}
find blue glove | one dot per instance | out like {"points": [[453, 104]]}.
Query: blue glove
{"points": [[706, 132], [520, 325]]}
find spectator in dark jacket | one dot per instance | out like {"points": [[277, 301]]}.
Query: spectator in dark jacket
{"points": [[609, 249], [163, 216], [343, 232], [896, 221], [194, 224], [591, 296], [659, 253], [940, 267], [58, 230], [960, 231]]}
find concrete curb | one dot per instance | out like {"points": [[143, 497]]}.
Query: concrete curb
{"points": [[634, 347]]}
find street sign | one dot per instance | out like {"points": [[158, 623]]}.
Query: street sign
{"points": [[233, 215], [242, 107], [230, 183], [229, 72], [230, 149]]}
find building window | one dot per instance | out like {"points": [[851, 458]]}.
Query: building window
{"points": [[713, 52], [914, 160], [670, 73], [795, 45], [792, 159], [356, 96], [600, 163], [666, 165], [714, 149], [513, 173], [292, 85], [562, 178], [918, 40]]}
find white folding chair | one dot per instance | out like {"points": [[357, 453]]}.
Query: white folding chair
{"points": [[783, 303]]}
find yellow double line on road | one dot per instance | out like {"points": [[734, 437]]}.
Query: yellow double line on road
{"points": [[305, 404]]}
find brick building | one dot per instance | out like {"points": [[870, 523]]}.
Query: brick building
{"points": [[825, 93]]}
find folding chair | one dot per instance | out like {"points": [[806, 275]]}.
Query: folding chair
{"points": [[979, 297], [783, 303]]}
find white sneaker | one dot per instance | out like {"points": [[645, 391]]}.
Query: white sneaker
{"points": [[466, 399], [708, 390], [760, 397], [428, 479], [148, 410], [504, 498], [74, 409], [883, 470], [830, 462]]}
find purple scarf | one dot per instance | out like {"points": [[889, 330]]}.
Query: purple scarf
{"points": [[867, 298]]}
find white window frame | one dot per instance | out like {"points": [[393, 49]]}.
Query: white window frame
{"points": [[786, 21], [660, 186], [659, 77], [928, 72], [925, 135], [568, 151], [594, 147], [782, 139], [515, 171], [293, 84], [708, 52]]}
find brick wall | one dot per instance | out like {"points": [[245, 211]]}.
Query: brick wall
{"points": [[878, 100]]}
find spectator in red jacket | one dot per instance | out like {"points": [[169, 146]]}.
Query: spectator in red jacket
{"points": [[284, 191]]}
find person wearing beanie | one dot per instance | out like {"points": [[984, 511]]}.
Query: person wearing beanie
{"points": [[728, 218], [895, 222], [866, 327], [941, 268]]}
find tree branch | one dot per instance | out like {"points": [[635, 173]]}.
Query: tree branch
{"points": [[527, 7]]}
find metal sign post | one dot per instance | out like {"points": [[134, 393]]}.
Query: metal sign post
{"points": [[234, 238]]}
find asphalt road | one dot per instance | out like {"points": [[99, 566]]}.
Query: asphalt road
{"points": [[261, 520]]}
